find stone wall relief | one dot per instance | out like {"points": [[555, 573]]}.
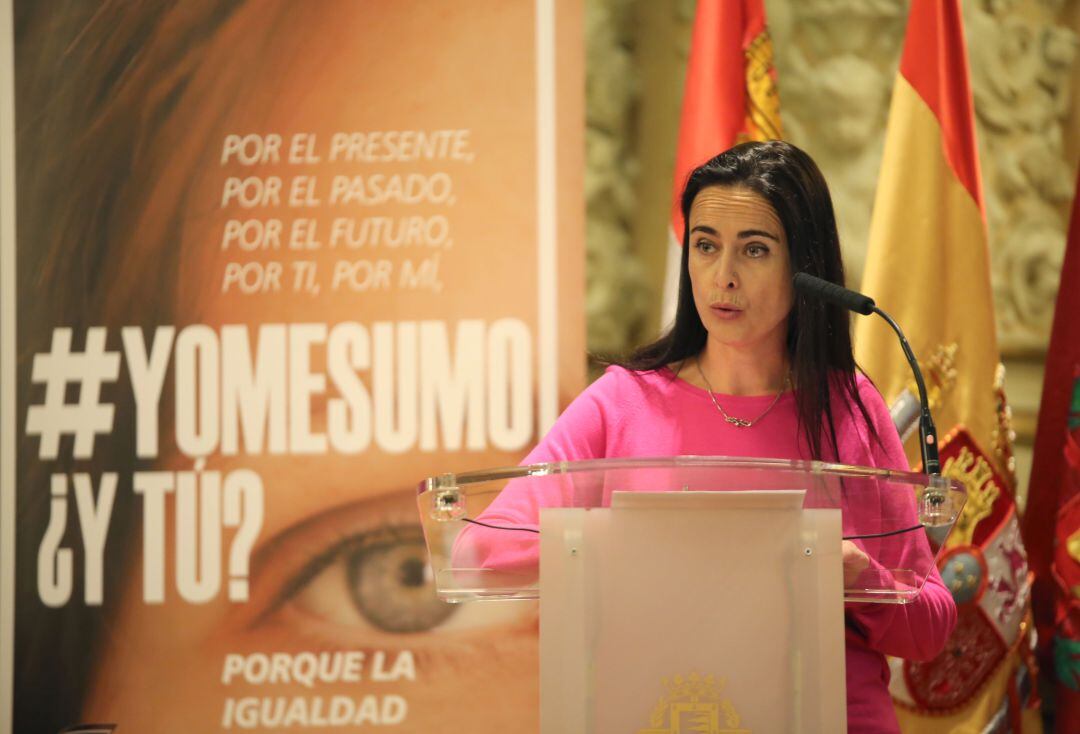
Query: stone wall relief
{"points": [[617, 295], [1021, 64]]}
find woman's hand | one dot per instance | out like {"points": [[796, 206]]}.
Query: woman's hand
{"points": [[855, 562]]}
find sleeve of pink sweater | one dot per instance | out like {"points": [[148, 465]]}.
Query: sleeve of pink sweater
{"points": [[919, 630], [578, 434]]}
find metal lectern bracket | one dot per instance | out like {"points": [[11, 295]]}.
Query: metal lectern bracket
{"points": [[934, 509], [448, 506]]}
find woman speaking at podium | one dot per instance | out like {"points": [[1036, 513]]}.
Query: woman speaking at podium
{"points": [[751, 368]]}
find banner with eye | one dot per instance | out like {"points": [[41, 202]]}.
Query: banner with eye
{"points": [[274, 264]]}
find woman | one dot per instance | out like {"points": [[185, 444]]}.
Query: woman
{"points": [[750, 368]]}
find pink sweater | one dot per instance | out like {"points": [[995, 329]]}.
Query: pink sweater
{"points": [[651, 414]]}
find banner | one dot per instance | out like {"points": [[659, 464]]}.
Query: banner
{"points": [[267, 266]]}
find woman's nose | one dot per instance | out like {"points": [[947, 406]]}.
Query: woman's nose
{"points": [[726, 276]]}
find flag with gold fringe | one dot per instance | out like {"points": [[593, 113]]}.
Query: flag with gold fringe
{"points": [[730, 97], [1052, 519], [928, 266]]}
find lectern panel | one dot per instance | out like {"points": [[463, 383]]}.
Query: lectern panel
{"points": [[691, 619]]}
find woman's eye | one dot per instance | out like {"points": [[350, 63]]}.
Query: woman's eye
{"points": [[757, 250], [705, 246], [381, 578], [350, 577], [392, 585]]}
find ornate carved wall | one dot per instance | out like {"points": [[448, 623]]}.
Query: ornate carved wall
{"points": [[836, 61], [617, 296]]}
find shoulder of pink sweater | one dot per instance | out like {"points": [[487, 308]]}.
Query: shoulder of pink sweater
{"points": [[581, 431], [625, 375], [618, 396], [869, 393], [628, 387], [876, 444]]}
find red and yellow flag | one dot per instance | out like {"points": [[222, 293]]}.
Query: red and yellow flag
{"points": [[730, 97], [1052, 518], [928, 266]]}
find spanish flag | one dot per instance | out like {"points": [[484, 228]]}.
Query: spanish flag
{"points": [[730, 97], [1052, 520], [928, 266]]}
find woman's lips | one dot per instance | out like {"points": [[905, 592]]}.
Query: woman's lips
{"points": [[726, 313]]}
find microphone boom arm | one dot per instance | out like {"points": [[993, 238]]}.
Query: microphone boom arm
{"points": [[928, 443]]}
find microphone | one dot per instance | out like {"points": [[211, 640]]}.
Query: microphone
{"points": [[833, 293], [818, 288]]}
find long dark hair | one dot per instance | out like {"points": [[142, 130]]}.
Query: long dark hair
{"points": [[818, 335]]}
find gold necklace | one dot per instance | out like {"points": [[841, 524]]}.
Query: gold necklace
{"points": [[740, 422]]}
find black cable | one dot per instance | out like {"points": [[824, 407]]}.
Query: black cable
{"points": [[927, 429], [846, 537], [882, 535], [496, 527]]}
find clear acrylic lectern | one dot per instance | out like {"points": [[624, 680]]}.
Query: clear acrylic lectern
{"points": [[688, 594]]}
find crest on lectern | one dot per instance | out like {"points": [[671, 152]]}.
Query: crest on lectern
{"points": [[694, 704]]}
